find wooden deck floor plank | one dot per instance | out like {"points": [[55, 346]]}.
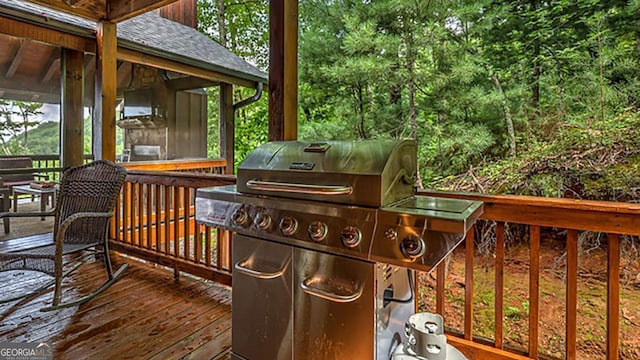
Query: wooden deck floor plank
{"points": [[26, 242], [61, 323], [226, 355], [118, 311], [171, 303], [146, 307], [117, 291], [172, 331], [24, 315], [208, 342]]}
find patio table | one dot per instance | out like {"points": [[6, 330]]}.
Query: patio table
{"points": [[46, 194]]}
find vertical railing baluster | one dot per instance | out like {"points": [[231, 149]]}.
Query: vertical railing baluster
{"points": [[167, 219], [198, 238], [149, 216], [499, 285], [572, 293], [440, 279], [534, 289], [176, 221], [219, 242], [468, 284], [158, 220], [207, 245], [139, 219], [186, 204], [126, 204], [133, 219], [613, 296]]}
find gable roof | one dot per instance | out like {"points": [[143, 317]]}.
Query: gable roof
{"points": [[148, 33]]}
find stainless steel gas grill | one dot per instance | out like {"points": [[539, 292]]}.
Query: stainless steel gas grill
{"points": [[327, 237]]}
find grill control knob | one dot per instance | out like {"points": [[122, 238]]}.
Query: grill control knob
{"points": [[412, 247], [318, 231], [391, 234], [240, 217], [288, 225], [351, 236], [262, 220]]}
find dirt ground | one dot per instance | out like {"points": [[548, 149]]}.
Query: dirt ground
{"points": [[592, 295]]}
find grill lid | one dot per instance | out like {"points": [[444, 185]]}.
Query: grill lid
{"points": [[367, 172]]}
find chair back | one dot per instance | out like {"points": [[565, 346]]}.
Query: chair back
{"points": [[22, 162], [93, 187]]}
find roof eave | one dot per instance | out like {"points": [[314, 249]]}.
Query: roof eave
{"points": [[128, 44]]}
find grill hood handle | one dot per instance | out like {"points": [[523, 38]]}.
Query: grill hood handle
{"points": [[257, 184]]}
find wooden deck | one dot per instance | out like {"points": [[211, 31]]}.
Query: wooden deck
{"points": [[145, 315]]}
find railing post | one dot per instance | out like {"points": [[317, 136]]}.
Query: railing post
{"points": [[468, 284], [534, 289], [613, 296], [499, 285], [572, 293]]}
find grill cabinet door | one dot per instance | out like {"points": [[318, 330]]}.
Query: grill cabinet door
{"points": [[262, 299], [334, 307]]}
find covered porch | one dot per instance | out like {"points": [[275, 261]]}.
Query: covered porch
{"points": [[155, 223]]}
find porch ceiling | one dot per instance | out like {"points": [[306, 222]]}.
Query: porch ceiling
{"points": [[31, 37], [109, 10]]}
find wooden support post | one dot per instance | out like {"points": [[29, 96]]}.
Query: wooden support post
{"points": [[71, 107], [104, 126], [227, 126], [283, 69]]}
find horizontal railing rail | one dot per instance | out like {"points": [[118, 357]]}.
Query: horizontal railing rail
{"points": [[155, 221], [42, 164], [209, 166], [540, 214]]}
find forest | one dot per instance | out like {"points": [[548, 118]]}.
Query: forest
{"points": [[504, 97], [524, 97]]}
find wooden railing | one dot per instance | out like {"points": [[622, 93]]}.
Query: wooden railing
{"points": [[539, 215], [155, 221], [42, 164]]}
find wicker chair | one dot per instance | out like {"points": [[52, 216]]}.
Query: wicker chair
{"points": [[84, 206]]}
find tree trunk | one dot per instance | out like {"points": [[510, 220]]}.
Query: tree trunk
{"points": [[222, 27], [507, 115], [361, 127], [535, 71]]}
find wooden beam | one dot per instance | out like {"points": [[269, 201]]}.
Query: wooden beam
{"points": [[160, 63], [58, 38], [17, 58], [283, 69], [71, 108], [120, 10], [124, 74], [25, 84], [104, 124], [227, 126], [54, 64], [94, 10], [190, 82]]}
